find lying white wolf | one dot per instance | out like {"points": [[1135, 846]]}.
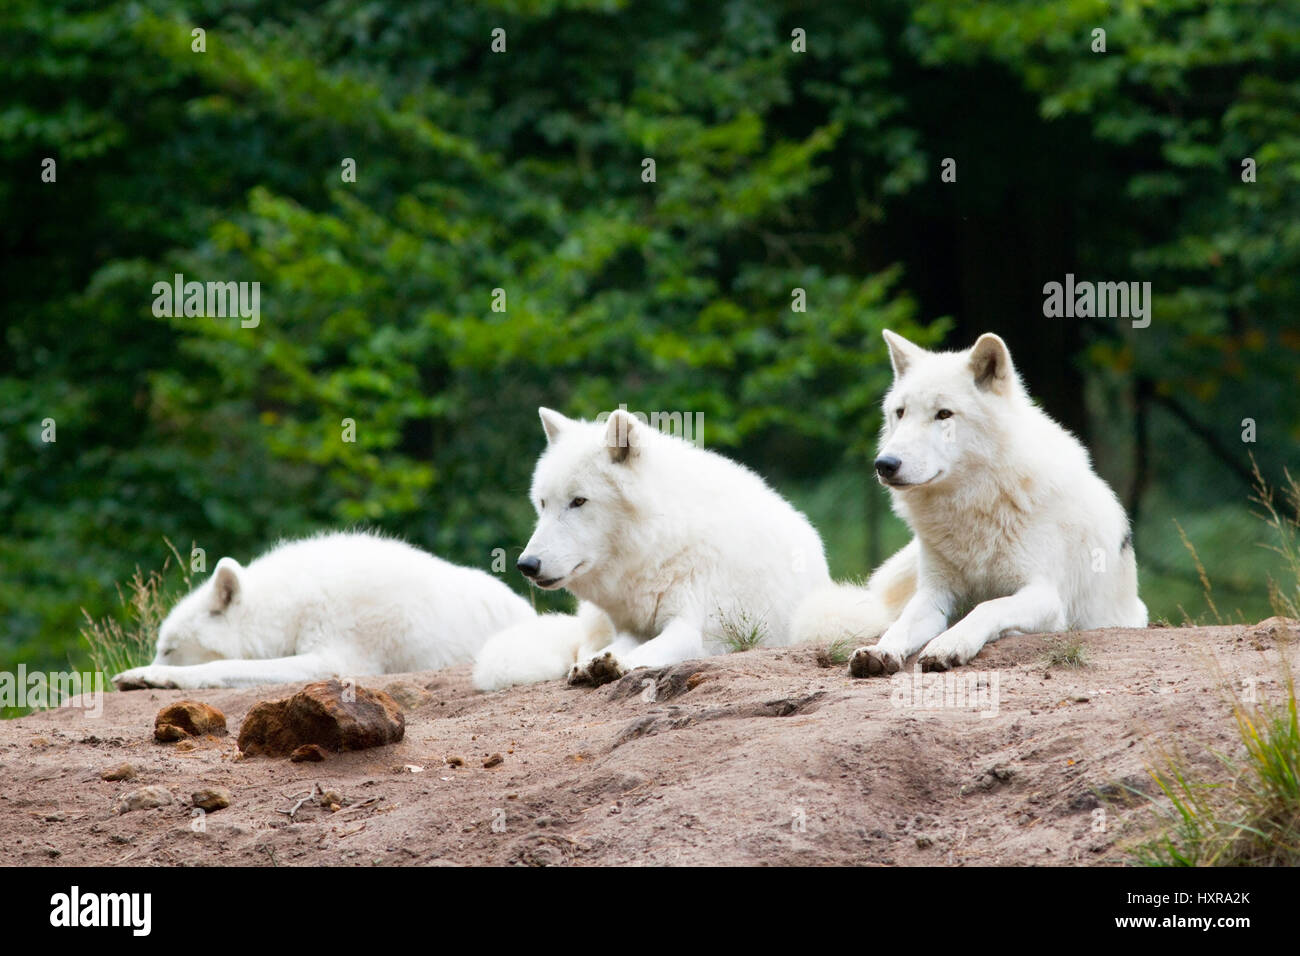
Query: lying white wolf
{"points": [[342, 604], [1014, 532], [684, 551]]}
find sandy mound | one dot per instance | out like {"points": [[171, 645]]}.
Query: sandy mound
{"points": [[756, 758]]}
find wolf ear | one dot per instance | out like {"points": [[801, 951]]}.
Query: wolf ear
{"points": [[990, 363], [902, 353], [225, 585], [553, 423], [622, 437]]}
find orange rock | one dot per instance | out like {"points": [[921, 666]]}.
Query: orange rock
{"points": [[187, 718], [327, 713]]}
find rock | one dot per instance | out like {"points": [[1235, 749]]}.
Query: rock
{"points": [[494, 760], [123, 772], [408, 696], [211, 798], [187, 718], [146, 798], [1274, 629], [308, 753], [320, 714]]}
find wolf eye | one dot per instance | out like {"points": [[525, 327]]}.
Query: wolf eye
{"points": [[941, 414], [899, 413], [577, 502]]}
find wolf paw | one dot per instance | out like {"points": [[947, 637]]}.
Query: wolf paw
{"points": [[142, 678], [601, 669], [944, 654], [873, 662]]}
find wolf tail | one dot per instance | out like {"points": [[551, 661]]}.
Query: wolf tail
{"points": [[541, 649], [858, 613]]}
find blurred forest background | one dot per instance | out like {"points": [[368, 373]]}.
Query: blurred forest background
{"points": [[522, 170]]}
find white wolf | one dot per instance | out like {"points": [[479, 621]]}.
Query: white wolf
{"points": [[337, 604], [677, 551], [1013, 531]]}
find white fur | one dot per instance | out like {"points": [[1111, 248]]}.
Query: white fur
{"points": [[1014, 531], [542, 649], [678, 546], [336, 604]]}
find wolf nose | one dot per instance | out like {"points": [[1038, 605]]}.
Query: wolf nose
{"points": [[887, 467], [529, 566]]}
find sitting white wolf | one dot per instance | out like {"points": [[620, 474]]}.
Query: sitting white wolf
{"points": [[341, 604], [684, 551], [1014, 531]]}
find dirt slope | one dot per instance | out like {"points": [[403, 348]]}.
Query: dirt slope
{"points": [[756, 758]]}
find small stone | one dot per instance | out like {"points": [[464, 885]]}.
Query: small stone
{"points": [[187, 718], [146, 798], [409, 696], [211, 798], [308, 753], [122, 772], [494, 760]]}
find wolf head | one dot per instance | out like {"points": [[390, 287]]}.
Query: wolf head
{"points": [[580, 493], [945, 411], [205, 624]]}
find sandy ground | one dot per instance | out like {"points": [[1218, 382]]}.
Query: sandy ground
{"points": [[762, 757]]}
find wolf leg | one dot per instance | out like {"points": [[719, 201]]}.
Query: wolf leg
{"points": [[924, 616], [1033, 609], [544, 648], [233, 673], [681, 640]]}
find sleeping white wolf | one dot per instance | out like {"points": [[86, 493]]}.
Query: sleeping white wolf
{"points": [[341, 604], [676, 552], [1014, 531]]}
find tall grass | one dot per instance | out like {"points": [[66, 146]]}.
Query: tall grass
{"points": [[120, 642], [1250, 819], [1283, 598]]}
